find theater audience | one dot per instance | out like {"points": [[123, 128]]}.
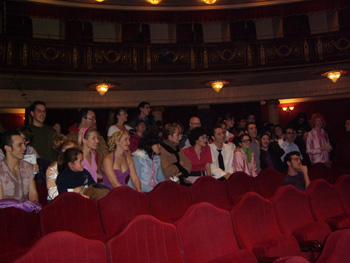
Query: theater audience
{"points": [[287, 144], [229, 119], [72, 177], [135, 138], [175, 164], [243, 158], [144, 114], [270, 153], [251, 118], [278, 133], [121, 119], [16, 175], [118, 166], [57, 127], [193, 123], [228, 136], [147, 163], [252, 131], [317, 142], [241, 126], [199, 154], [297, 173]]}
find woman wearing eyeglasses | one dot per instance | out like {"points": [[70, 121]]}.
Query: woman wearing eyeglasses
{"points": [[243, 159], [199, 154]]}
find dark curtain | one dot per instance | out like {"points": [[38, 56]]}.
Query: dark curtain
{"points": [[243, 31], [184, 33], [73, 30], [296, 26], [198, 33], [130, 32], [19, 26], [344, 19]]}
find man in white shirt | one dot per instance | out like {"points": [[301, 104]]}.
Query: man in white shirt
{"points": [[287, 144], [221, 154]]}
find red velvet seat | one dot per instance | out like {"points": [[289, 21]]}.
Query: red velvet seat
{"points": [[206, 235], [145, 240], [322, 171], [325, 205], [293, 214], [120, 205], [169, 201], [269, 180], [62, 247], [257, 229], [72, 212], [19, 230], [208, 189], [240, 183], [294, 259], [42, 193], [343, 187]]}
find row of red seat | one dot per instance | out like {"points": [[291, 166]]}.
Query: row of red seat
{"points": [[168, 202]]}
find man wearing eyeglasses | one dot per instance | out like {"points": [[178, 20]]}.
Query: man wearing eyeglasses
{"points": [[194, 123], [87, 118], [287, 144]]}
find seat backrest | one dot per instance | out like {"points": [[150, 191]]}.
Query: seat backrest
{"points": [[324, 200], [208, 189], [145, 240], [42, 193], [206, 233], [240, 183], [269, 180], [343, 187], [253, 220], [121, 205], [71, 212], [322, 171], [62, 247], [169, 201]]}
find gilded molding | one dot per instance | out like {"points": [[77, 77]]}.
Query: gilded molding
{"points": [[149, 58], [320, 49], [262, 55], [89, 58], [9, 52], [205, 58], [193, 59], [75, 57], [25, 54], [306, 50], [134, 59], [249, 56]]}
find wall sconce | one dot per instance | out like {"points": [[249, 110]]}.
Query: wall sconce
{"points": [[333, 75], [288, 109]]}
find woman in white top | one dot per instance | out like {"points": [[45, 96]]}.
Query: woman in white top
{"points": [[122, 117]]}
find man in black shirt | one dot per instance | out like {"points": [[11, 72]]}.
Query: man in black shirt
{"points": [[297, 173]]}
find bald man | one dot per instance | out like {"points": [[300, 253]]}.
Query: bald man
{"points": [[193, 123]]}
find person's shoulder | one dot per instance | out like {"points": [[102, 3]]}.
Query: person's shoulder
{"points": [[188, 150]]}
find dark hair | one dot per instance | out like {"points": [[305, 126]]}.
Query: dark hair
{"points": [[239, 139], [142, 105], [262, 135], [6, 139], [212, 130], [83, 113], [195, 134], [138, 122], [288, 157], [249, 123], [147, 142], [69, 156], [291, 127], [33, 105], [27, 132], [228, 116], [117, 112]]}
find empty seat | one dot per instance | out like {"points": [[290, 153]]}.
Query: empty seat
{"points": [[72, 212], [62, 247], [208, 189], [169, 201], [257, 230], [19, 230], [240, 183], [206, 235], [120, 205], [322, 171], [325, 205], [269, 180], [343, 187], [145, 240]]}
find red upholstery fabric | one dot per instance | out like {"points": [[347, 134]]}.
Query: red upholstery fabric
{"points": [[145, 240], [72, 212], [337, 248], [293, 215], [322, 171], [121, 205], [42, 193], [257, 229], [240, 183], [269, 180], [325, 204], [169, 201], [343, 188], [206, 235], [18, 232], [208, 189], [295, 259], [62, 247]]}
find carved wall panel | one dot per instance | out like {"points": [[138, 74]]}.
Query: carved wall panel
{"points": [[282, 53], [230, 56], [171, 58], [111, 59], [336, 47]]}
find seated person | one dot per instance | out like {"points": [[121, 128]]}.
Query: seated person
{"points": [[270, 153], [297, 173], [16, 175], [135, 138], [72, 177], [243, 158], [147, 163]]}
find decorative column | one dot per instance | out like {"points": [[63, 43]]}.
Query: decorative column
{"points": [[157, 112], [273, 110]]}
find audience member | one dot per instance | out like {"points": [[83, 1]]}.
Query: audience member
{"points": [[297, 173], [43, 134], [278, 133], [228, 136], [252, 131], [16, 175], [317, 142], [144, 113], [135, 138], [287, 144], [193, 123], [270, 153], [222, 155], [57, 127], [87, 118], [229, 119], [147, 163], [175, 164], [243, 159], [301, 125], [241, 126], [118, 166], [199, 154], [342, 151], [251, 118], [120, 124]]}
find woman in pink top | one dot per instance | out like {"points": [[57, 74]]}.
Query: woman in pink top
{"points": [[88, 141], [243, 158], [317, 142]]}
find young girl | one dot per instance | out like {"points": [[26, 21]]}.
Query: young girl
{"points": [[243, 159], [72, 177]]}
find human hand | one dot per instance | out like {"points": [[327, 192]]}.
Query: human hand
{"points": [[303, 169], [35, 168], [228, 175]]}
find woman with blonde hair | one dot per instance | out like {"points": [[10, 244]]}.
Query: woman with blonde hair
{"points": [[118, 165]]}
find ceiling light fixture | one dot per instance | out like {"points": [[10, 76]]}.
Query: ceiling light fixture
{"points": [[218, 84], [154, 2], [102, 87], [334, 75], [100, 1], [209, 2]]}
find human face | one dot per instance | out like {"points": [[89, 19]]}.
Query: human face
{"points": [[176, 136], [219, 136], [78, 165], [57, 127], [245, 143], [318, 123], [230, 122], [295, 163], [224, 128], [252, 131], [290, 135], [18, 148], [251, 118], [90, 119], [347, 125], [39, 114], [194, 123], [141, 127], [278, 132], [92, 140], [202, 140], [146, 110], [123, 116], [156, 148], [124, 142], [242, 124], [265, 141]]}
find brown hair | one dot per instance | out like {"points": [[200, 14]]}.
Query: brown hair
{"points": [[62, 142], [169, 129], [115, 138]]}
